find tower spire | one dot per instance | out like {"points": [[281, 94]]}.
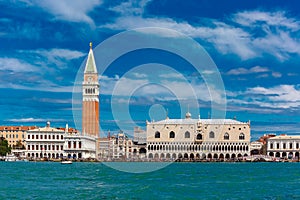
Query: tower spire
{"points": [[90, 94], [90, 66]]}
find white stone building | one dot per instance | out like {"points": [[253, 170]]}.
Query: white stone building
{"points": [[58, 143], [284, 146], [189, 138], [78, 146], [46, 142]]}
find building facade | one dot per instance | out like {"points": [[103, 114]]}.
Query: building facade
{"points": [[193, 139], [45, 143], [78, 146], [284, 146], [90, 101], [15, 135]]}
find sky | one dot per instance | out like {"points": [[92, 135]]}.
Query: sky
{"points": [[254, 45]]}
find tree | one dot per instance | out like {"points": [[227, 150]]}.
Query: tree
{"points": [[4, 147], [19, 145]]}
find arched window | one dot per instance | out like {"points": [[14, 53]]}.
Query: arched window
{"points": [[157, 134], [242, 136], [199, 136], [211, 134], [226, 136], [172, 134], [187, 134]]}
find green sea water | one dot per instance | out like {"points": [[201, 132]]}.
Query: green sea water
{"points": [[47, 180]]}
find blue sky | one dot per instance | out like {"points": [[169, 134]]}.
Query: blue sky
{"points": [[254, 44]]}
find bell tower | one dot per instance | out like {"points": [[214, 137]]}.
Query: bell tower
{"points": [[90, 94]]}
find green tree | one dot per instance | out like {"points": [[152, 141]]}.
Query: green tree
{"points": [[19, 145], [4, 147]]}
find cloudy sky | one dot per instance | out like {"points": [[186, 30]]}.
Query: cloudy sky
{"points": [[255, 46]]}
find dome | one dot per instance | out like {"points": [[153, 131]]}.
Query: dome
{"points": [[188, 115]]}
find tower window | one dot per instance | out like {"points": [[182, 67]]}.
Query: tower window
{"points": [[187, 134], [242, 136], [157, 134], [211, 134], [226, 136], [172, 134], [199, 136]]}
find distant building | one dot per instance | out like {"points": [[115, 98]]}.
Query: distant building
{"points": [[256, 147], [120, 147], [15, 135], [189, 138], [284, 146]]}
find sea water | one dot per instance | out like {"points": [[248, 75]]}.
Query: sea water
{"points": [[48, 180]]}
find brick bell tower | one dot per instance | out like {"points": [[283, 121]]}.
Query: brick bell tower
{"points": [[90, 94]]}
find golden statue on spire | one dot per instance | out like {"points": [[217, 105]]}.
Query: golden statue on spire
{"points": [[91, 45]]}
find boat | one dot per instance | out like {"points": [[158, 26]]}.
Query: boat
{"points": [[10, 158], [66, 162]]}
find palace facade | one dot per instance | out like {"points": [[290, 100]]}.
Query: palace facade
{"points": [[190, 139]]}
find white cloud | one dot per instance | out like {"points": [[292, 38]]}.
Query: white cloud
{"points": [[286, 93], [30, 119], [16, 65], [278, 18], [239, 71], [235, 36], [276, 74], [162, 89], [131, 7], [69, 10]]}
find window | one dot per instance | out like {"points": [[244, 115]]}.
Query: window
{"points": [[57, 137], [41, 137], [211, 135], [74, 145], [32, 147], [271, 146], [226, 136], [17, 136], [53, 137], [199, 136], [79, 145], [157, 134], [284, 146], [53, 147], [37, 147], [187, 134], [32, 136], [277, 145], [172, 134], [291, 145], [297, 145], [28, 147], [69, 145], [61, 137], [241, 136]]}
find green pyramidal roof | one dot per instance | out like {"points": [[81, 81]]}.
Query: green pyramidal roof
{"points": [[90, 66]]}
